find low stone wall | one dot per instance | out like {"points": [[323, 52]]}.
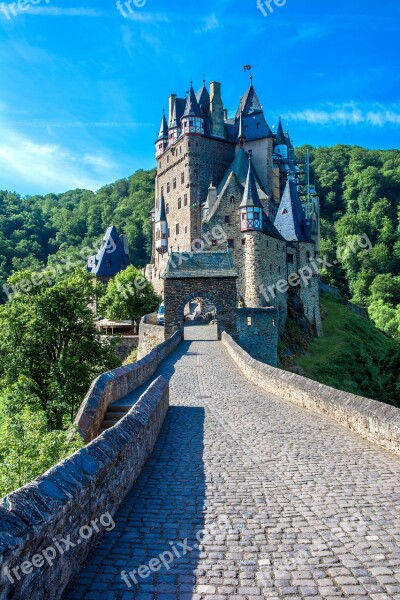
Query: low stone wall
{"points": [[373, 420], [150, 335], [125, 345], [79, 495], [114, 385]]}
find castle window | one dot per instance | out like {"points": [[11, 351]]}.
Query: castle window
{"points": [[290, 259], [227, 219], [108, 263], [185, 200], [308, 257], [158, 235], [214, 243], [249, 322], [177, 229], [168, 159], [169, 232], [168, 187], [167, 208], [267, 243], [160, 164], [185, 228], [231, 243], [179, 203], [174, 184], [182, 177], [258, 125], [162, 190], [232, 199], [243, 241], [195, 228], [277, 246]]}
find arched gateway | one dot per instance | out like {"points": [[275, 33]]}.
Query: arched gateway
{"points": [[209, 275]]}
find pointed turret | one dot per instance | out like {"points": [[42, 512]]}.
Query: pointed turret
{"points": [[162, 140], [254, 122], [203, 99], [192, 119], [251, 209], [241, 133], [161, 228], [280, 136], [291, 220]]}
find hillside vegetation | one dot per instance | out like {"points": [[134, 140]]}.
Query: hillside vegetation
{"points": [[353, 356]]}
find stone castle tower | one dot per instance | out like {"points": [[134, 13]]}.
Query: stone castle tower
{"points": [[233, 183]]}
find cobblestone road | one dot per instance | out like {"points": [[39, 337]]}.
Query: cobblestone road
{"points": [[295, 506]]}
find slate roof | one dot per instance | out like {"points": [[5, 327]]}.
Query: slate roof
{"points": [[250, 196], [163, 132], [203, 99], [280, 136], [192, 108], [290, 220], [177, 112], [111, 258], [188, 265], [240, 167], [249, 104]]}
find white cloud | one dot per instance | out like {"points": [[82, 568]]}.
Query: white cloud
{"points": [[57, 11], [209, 23], [350, 113], [147, 17], [46, 166]]}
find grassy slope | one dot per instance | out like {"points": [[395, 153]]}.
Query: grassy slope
{"points": [[349, 356]]}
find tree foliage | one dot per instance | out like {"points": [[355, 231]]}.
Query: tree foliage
{"points": [[129, 296]]}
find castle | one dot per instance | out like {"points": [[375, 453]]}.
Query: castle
{"points": [[235, 175]]}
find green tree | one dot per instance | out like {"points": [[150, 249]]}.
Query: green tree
{"points": [[28, 449], [128, 296], [49, 348]]}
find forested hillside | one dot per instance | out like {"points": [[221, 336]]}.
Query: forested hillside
{"points": [[36, 227], [360, 195], [359, 191]]}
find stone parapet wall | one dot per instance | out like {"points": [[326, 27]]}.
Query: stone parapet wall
{"points": [[80, 493], [150, 335], [373, 420], [114, 385]]}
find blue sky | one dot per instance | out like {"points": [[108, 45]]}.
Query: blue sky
{"points": [[82, 87]]}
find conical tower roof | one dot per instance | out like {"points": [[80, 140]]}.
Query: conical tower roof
{"points": [[251, 197], [163, 132], [192, 106], [280, 136], [290, 220]]}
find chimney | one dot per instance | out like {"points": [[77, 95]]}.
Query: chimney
{"points": [[171, 104], [217, 110], [212, 196]]}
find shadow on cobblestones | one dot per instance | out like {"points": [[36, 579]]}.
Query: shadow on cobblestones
{"points": [[165, 507]]}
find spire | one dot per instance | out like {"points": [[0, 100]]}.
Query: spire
{"points": [[290, 220], [161, 215], [280, 136], [251, 197], [163, 132], [192, 106]]}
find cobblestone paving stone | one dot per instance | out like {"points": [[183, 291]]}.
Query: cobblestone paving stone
{"points": [[294, 505]]}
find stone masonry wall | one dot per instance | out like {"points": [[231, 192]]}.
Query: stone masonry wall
{"points": [[150, 336], [114, 385], [257, 333], [220, 291], [71, 496], [373, 420]]}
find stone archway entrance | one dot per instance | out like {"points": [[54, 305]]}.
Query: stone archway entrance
{"points": [[200, 319], [207, 275]]}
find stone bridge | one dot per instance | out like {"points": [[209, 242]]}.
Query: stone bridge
{"points": [[247, 496], [294, 504]]}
